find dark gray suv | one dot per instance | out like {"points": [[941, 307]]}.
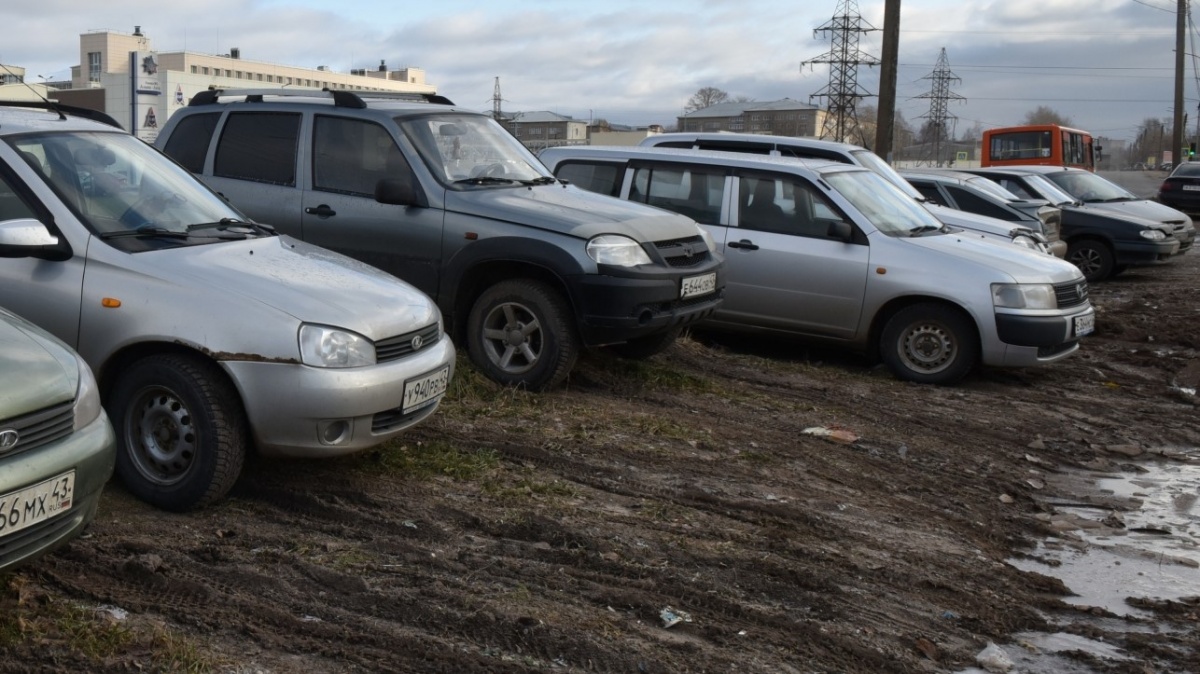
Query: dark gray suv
{"points": [[527, 270]]}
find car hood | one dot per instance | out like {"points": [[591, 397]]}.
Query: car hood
{"points": [[1022, 264], [968, 220], [311, 284], [37, 371], [1085, 214], [570, 210], [1143, 209]]}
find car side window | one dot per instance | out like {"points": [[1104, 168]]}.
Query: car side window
{"points": [[783, 206], [12, 206], [188, 144], [968, 201], [351, 156], [602, 178], [928, 191], [696, 192], [259, 146], [1016, 188]]}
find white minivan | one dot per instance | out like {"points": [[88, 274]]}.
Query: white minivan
{"points": [[835, 252]]}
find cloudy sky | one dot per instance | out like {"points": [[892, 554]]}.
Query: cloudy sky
{"points": [[1105, 64]]}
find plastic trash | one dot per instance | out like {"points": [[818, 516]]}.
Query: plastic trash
{"points": [[671, 617], [994, 659]]}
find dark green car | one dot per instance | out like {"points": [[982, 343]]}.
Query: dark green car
{"points": [[56, 444]]}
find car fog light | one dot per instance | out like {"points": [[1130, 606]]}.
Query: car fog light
{"points": [[334, 432]]}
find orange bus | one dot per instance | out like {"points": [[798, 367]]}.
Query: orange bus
{"points": [[1048, 144]]}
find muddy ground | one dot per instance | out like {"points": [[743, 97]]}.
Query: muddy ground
{"points": [[518, 532]]}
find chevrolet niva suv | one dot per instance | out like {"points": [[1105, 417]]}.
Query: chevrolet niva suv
{"points": [[526, 269], [209, 335]]}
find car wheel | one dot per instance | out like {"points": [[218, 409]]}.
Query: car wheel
{"points": [[181, 431], [645, 347], [520, 334], [1092, 257], [930, 344]]}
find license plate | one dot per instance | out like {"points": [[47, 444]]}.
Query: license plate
{"points": [[420, 391], [28, 506], [698, 285], [1191, 188], [1084, 324]]}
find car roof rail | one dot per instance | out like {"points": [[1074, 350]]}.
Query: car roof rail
{"points": [[341, 98], [76, 111]]}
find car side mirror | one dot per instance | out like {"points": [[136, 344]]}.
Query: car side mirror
{"points": [[395, 192], [26, 237], [841, 231]]}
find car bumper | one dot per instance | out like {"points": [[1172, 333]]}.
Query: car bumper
{"points": [[301, 411], [617, 309], [91, 453], [1150, 252], [1028, 340]]}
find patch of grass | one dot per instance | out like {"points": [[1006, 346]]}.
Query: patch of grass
{"points": [[661, 427], [657, 373], [528, 488], [423, 460], [755, 456]]}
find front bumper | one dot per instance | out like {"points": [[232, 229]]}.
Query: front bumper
{"points": [[301, 411], [616, 309], [1145, 252], [1029, 340]]}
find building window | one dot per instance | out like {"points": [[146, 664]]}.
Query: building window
{"points": [[239, 74], [258, 77], [270, 78], [204, 70], [195, 70], [93, 66]]}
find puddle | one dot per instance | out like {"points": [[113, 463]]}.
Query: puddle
{"points": [[1039, 653]]}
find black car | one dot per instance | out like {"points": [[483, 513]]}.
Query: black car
{"points": [[1181, 189], [1101, 241]]}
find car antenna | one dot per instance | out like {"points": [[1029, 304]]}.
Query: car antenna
{"points": [[49, 103]]}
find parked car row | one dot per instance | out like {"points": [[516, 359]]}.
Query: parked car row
{"points": [[296, 280]]}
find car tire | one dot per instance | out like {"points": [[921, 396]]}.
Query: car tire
{"points": [[930, 344], [1092, 257], [181, 431], [642, 348], [520, 333]]}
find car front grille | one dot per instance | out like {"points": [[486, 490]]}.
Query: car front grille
{"points": [[40, 428], [688, 252], [1071, 293], [402, 346], [392, 419]]}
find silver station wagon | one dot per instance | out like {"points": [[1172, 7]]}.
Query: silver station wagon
{"points": [[209, 335], [56, 444], [835, 252]]}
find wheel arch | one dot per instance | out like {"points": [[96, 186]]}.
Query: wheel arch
{"points": [[898, 304], [478, 278], [108, 372]]}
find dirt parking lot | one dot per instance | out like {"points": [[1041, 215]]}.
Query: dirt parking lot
{"points": [[676, 515]]}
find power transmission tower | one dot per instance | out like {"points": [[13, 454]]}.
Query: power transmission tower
{"points": [[844, 57], [497, 113], [939, 95]]}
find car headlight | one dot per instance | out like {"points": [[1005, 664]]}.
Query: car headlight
{"points": [[708, 240], [1025, 242], [322, 346], [87, 397], [1152, 234], [617, 250], [1024, 296]]}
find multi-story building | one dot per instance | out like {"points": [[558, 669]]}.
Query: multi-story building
{"points": [[785, 117], [11, 74], [121, 74], [537, 130]]}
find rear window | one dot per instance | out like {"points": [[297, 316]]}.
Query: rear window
{"points": [[189, 142], [259, 146]]}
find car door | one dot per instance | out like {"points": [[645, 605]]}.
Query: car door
{"points": [[786, 272], [338, 210]]}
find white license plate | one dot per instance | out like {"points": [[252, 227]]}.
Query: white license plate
{"points": [[698, 285], [1191, 188], [26, 507], [1084, 324], [419, 391]]}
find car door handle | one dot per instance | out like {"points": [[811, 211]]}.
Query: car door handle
{"points": [[744, 244], [321, 211]]}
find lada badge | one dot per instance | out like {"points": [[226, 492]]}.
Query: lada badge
{"points": [[417, 343], [8, 439]]}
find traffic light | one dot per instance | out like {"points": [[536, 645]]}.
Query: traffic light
{"points": [[1192, 151]]}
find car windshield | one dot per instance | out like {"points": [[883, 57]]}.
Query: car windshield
{"points": [[1089, 187], [889, 209], [1048, 190], [121, 188], [471, 150], [877, 164], [992, 188]]}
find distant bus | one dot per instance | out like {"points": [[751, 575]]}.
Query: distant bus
{"points": [[1048, 144]]}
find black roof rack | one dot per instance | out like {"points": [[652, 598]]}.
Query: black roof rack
{"points": [[341, 98], [55, 106]]}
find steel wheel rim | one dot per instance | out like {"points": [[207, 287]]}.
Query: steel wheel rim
{"points": [[1087, 259], [160, 435], [513, 338], [927, 348]]}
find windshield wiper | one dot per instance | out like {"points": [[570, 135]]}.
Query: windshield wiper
{"points": [[925, 228], [541, 180], [147, 231], [485, 180], [234, 226]]}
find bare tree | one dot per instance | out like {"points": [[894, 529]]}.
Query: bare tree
{"points": [[706, 97], [1045, 115]]}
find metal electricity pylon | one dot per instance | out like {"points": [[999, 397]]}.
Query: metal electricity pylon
{"points": [[844, 57], [497, 112], [939, 95]]}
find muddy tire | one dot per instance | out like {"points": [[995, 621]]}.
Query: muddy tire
{"points": [[645, 347], [520, 333], [930, 344], [1093, 258], [181, 431]]}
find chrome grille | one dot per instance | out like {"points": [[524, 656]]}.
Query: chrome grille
{"points": [[401, 346], [1072, 293], [687, 252], [41, 427]]}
